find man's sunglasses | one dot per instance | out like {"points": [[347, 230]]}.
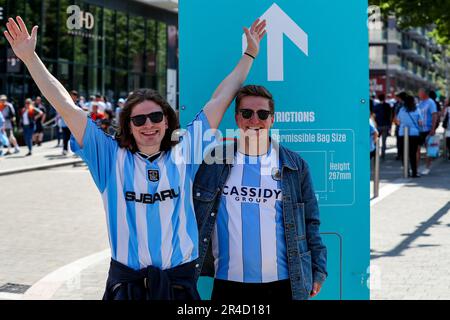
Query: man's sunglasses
{"points": [[155, 117], [248, 114]]}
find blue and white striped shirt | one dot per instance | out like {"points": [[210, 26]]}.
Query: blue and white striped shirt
{"points": [[427, 107], [149, 205], [248, 240]]}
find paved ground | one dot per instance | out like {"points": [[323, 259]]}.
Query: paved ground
{"points": [[47, 155], [50, 218], [53, 232], [410, 243]]}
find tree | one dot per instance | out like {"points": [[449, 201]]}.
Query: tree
{"points": [[420, 13]]}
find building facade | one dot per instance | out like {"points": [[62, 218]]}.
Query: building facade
{"points": [[403, 60], [95, 46]]}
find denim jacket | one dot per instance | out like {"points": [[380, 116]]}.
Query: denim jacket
{"points": [[307, 256]]}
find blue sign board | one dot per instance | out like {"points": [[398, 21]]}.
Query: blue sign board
{"points": [[314, 60]]}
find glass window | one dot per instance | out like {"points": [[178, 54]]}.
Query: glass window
{"points": [[14, 8], [121, 41], [136, 52], [150, 54], [109, 83], [161, 58], [109, 32], [172, 47], [33, 16], [49, 29], [95, 43], [66, 40], [3, 42], [80, 76], [121, 88], [136, 44]]}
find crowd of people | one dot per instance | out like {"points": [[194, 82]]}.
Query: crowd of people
{"points": [[35, 115], [421, 115]]}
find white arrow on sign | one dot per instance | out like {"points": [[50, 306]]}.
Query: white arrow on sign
{"points": [[278, 25]]}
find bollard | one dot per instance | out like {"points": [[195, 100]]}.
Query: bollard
{"points": [[444, 147], [406, 152], [376, 173]]}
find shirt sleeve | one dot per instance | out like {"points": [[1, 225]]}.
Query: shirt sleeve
{"points": [[433, 107], [99, 152], [197, 138], [12, 112]]}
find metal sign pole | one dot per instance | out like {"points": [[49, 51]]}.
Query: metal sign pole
{"points": [[376, 174], [405, 152]]}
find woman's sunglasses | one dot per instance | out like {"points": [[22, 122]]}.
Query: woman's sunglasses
{"points": [[155, 117], [248, 114]]}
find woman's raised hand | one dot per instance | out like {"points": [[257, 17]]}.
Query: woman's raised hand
{"points": [[22, 43]]}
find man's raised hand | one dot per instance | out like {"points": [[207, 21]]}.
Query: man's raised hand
{"points": [[254, 36]]}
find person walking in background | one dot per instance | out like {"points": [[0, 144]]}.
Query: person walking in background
{"points": [[38, 135], [9, 114], [65, 129], [409, 116], [82, 103], [101, 105], [29, 115], [430, 120], [78, 101], [446, 125], [400, 102], [108, 105], [118, 110], [106, 122], [59, 132], [89, 103], [433, 96], [96, 115], [3, 137], [373, 135], [383, 117]]}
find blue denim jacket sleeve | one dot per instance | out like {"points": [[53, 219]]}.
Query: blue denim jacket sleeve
{"points": [[312, 224]]}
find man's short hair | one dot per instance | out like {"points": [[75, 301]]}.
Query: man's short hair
{"points": [[254, 91], [74, 93], [432, 94]]}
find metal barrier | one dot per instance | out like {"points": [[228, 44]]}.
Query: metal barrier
{"points": [[376, 173], [406, 152]]}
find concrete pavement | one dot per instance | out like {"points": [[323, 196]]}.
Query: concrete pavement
{"points": [[410, 243], [43, 157]]}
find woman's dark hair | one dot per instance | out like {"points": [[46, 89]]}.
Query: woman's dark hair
{"points": [[410, 103], [402, 96], [432, 94], [109, 113], [124, 135]]}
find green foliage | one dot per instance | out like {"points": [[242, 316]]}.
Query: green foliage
{"points": [[420, 13]]}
